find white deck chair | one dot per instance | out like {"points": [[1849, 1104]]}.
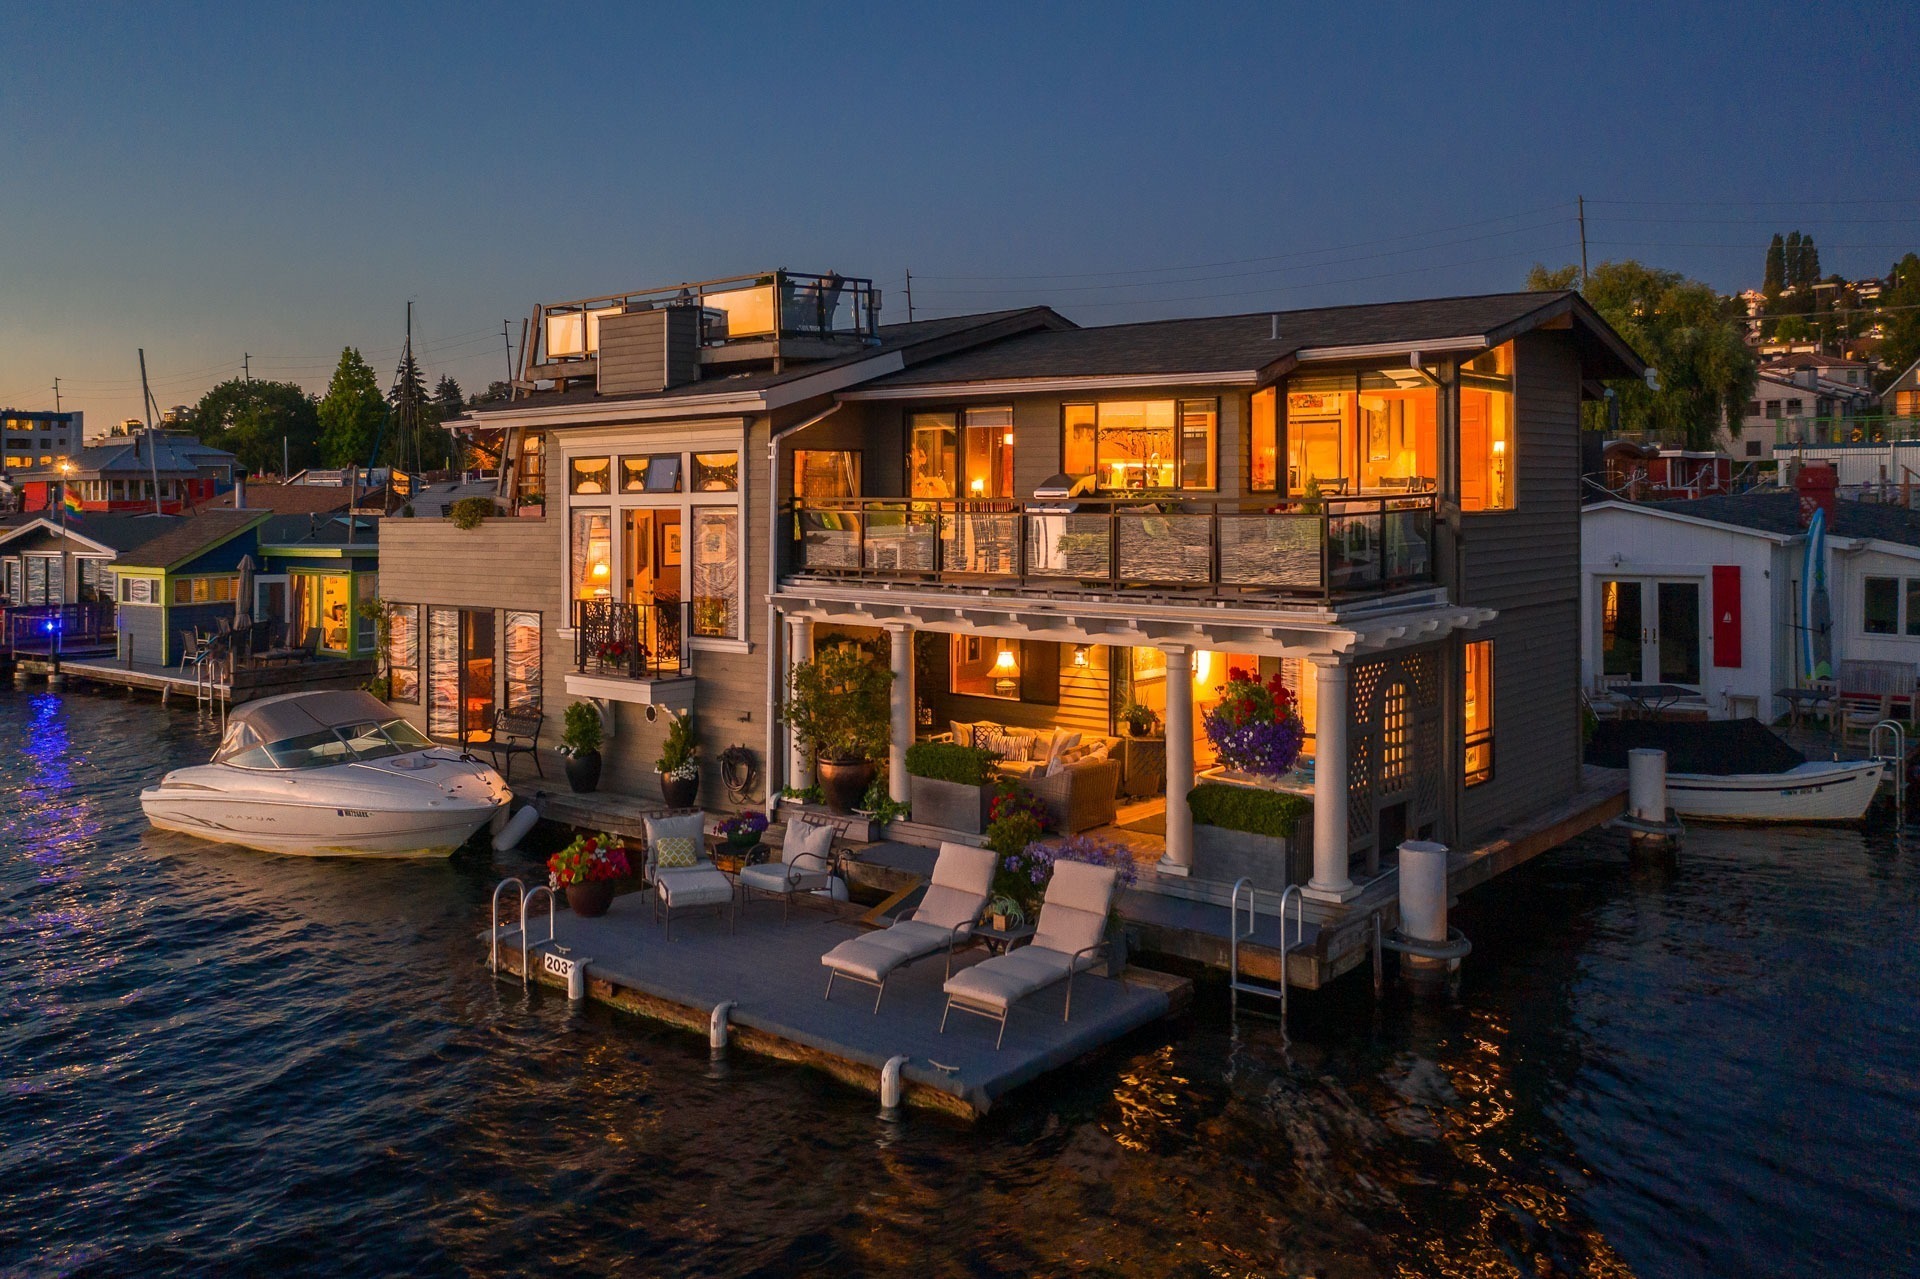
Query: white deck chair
{"points": [[1072, 929], [962, 883]]}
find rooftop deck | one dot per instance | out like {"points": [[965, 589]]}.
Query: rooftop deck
{"points": [[771, 972]]}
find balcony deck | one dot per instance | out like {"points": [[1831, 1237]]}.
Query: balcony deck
{"points": [[1320, 550]]}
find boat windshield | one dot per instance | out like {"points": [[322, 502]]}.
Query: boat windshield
{"points": [[345, 744]]}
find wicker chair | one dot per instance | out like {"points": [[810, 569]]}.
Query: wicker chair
{"points": [[1079, 796]]}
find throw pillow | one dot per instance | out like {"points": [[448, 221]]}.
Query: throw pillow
{"points": [[675, 851], [1062, 743], [811, 840], [1019, 745], [1098, 751], [991, 737], [962, 732]]}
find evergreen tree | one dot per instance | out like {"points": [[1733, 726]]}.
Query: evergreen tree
{"points": [[1809, 262], [410, 408], [350, 413], [1776, 279], [448, 399], [251, 419], [1901, 298], [1793, 260]]}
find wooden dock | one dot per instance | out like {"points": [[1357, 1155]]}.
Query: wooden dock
{"points": [[769, 972], [228, 687]]}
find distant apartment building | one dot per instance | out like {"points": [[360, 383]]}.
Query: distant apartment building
{"points": [[1803, 396], [1902, 396], [34, 438]]}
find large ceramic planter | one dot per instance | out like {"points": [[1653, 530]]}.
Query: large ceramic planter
{"points": [[583, 772], [680, 792], [843, 783], [949, 805], [591, 898]]}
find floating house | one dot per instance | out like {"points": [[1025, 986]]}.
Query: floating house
{"points": [[148, 472]]}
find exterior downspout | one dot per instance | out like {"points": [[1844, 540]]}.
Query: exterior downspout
{"points": [[776, 758]]}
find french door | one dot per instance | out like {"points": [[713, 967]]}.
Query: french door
{"points": [[1650, 631]]}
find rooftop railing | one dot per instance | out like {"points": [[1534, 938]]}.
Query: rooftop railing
{"points": [[1316, 549], [1789, 431], [633, 641]]}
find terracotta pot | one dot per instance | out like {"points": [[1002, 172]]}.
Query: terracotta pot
{"points": [[680, 794], [843, 783], [591, 898], [583, 772]]}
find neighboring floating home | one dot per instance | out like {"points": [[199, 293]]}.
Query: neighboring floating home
{"points": [[123, 474]]}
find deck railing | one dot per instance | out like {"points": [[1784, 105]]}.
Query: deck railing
{"points": [[38, 628], [1321, 548], [636, 641]]}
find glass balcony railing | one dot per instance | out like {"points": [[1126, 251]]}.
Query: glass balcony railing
{"points": [[1321, 549]]}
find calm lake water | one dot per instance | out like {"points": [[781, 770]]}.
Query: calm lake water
{"points": [[219, 1061]]}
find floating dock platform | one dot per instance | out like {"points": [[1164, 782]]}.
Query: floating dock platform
{"points": [[245, 684], [770, 972]]}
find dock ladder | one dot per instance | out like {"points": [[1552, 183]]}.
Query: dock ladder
{"points": [[1896, 762], [1238, 985]]}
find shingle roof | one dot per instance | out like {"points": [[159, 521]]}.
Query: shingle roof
{"points": [[1227, 343], [191, 535], [119, 532], [1780, 513], [172, 456], [295, 499]]}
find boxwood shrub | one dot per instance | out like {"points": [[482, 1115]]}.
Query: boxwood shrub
{"points": [[1246, 808], [951, 762]]}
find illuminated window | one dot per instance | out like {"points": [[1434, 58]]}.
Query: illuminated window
{"points": [[932, 454], [592, 556], [1263, 442], [1478, 716], [982, 667], [964, 455], [1486, 431], [403, 653], [532, 478], [590, 475], [716, 571], [1320, 423], [987, 450], [716, 472], [1142, 444], [1398, 444], [825, 475]]}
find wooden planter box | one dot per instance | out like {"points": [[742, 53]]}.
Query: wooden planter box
{"points": [[949, 804], [1224, 856]]}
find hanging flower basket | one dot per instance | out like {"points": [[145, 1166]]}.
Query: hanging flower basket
{"points": [[1254, 727]]}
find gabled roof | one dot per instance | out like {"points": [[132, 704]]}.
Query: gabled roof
{"points": [[108, 534], [329, 530], [172, 457], [192, 536], [1262, 345], [1778, 514], [296, 499]]}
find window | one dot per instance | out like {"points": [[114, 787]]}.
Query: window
{"points": [[1881, 606], [1913, 606], [932, 454], [403, 653], [1142, 444], [96, 579], [1753, 448], [1773, 408], [1263, 442], [202, 590], [523, 660], [460, 672], [592, 554], [1478, 716], [366, 616], [1753, 408], [965, 455], [988, 452], [1398, 446], [716, 571], [825, 475], [1320, 420], [589, 475], [1486, 431], [716, 472], [654, 473], [1794, 407], [532, 479], [983, 667]]}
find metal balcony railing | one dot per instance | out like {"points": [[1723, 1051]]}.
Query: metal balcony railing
{"points": [[43, 628], [1789, 431], [1322, 548], [636, 641]]}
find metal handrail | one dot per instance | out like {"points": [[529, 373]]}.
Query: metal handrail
{"points": [[1234, 937], [526, 971], [493, 953], [1896, 761]]}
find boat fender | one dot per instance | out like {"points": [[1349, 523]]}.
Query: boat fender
{"points": [[577, 981], [516, 830], [717, 1025], [890, 1089]]}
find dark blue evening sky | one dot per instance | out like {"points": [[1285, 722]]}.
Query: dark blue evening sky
{"points": [[208, 180]]}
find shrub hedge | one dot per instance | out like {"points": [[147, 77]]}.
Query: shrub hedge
{"points": [[1246, 808], [951, 762], [469, 511]]}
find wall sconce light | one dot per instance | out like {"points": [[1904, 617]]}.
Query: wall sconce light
{"points": [[1079, 654]]}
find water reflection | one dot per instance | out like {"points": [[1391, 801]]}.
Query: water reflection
{"points": [[251, 1062]]}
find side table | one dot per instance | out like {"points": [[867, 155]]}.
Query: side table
{"points": [[1143, 766], [999, 941]]}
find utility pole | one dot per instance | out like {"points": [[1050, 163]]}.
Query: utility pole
{"points": [[246, 367], [56, 395], [909, 295], [153, 462], [1583, 241], [507, 340]]}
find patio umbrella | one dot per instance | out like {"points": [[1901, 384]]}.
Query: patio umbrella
{"points": [[243, 594], [1816, 609]]}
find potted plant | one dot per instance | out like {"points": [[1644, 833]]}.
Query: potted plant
{"points": [[1254, 727], [1023, 876], [949, 784], [580, 739], [587, 869], [679, 763], [1005, 913], [743, 830], [1139, 720], [837, 704]]}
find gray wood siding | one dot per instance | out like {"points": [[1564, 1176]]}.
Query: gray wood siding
{"points": [[1526, 563], [1083, 696], [648, 350]]}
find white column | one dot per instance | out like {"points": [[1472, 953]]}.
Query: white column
{"points": [[1179, 855], [1330, 881], [799, 649], [902, 707]]}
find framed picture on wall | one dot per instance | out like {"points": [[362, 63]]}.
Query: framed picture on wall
{"points": [[973, 648], [670, 546]]}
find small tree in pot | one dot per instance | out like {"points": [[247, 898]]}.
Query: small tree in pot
{"points": [[838, 707], [679, 763], [580, 742]]}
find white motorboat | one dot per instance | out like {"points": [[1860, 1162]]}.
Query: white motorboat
{"points": [[328, 774], [1821, 791]]}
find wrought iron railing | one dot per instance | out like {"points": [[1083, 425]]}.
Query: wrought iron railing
{"points": [[637, 641], [1322, 548]]}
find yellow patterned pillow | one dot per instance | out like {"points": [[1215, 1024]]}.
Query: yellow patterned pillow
{"points": [[674, 851]]}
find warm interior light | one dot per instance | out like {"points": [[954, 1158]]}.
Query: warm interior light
{"points": [[1203, 668], [1007, 438], [1006, 665], [978, 486], [1499, 447], [600, 568], [1079, 654]]}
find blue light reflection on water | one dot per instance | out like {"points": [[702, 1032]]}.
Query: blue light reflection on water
{"points": [[217, 1060]]}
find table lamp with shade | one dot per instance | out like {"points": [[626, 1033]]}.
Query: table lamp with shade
{"points": [[1006, 673]]}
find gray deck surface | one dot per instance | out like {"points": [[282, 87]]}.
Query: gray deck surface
{"points": [[772, 972]]}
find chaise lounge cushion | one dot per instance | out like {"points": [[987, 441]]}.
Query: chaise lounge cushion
{"points": [[962, 881], [694, 886], [1074, 914], [1001, 982]]}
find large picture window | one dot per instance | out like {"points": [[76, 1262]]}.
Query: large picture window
{"points": [[523, 660], [403, 653], [592, 554], [825, 475], [1478, 716], [1134, 445], [1263, 442], [1487, 431], [716, 571], [968, 454]]}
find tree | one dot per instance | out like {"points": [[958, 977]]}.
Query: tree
{"points": [[251, 420], [1776, 277], [448, 400], [496, 393], [1693, 338], [1541, 280], [351, 413], [1902, 344]]}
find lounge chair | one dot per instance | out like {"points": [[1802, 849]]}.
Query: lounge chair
{"points": [[682, 874], [1072, 929], [962, 882], [806, 864]]}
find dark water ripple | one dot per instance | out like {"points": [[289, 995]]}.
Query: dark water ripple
{"points": [[216, 1062]]}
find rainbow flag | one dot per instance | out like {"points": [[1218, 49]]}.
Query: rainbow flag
{"points": [[70, 501]]}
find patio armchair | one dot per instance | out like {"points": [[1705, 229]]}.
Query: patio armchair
{"points": [[193, 650], [805, 865], [1071, 932], [681, 873], [516, 731], [962, 882]]}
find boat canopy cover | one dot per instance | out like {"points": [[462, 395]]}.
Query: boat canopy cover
{"points": [[275, 719], [1713, 748]]}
